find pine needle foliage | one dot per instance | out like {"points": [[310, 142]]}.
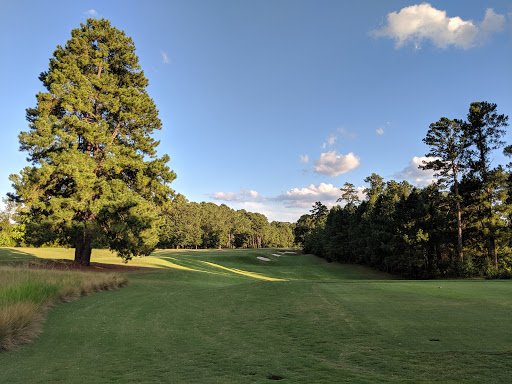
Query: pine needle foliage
{"points": [[95, 176]]}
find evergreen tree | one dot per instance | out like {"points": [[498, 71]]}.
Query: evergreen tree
{"points": [[349, 194], [446, 153], [95, 173], [319, 212], [483, 131]]}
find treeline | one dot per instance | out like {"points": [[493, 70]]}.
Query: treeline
{"points": [[183, 224], [207, 225], [458, 226]]}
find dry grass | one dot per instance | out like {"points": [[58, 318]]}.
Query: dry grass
{"points": [[27, 293]]}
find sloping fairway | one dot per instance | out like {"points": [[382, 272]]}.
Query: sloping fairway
{"points": [[229, 317]]}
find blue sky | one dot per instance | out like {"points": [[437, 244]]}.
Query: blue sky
{"points": [[269, 105]]}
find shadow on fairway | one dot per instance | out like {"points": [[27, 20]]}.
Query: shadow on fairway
{"points": [[14, 254], [211, 268]]}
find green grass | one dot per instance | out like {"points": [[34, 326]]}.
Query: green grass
{"points": [[27, 293], [227, 317]]}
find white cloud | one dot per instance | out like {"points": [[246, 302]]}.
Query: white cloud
{"points": [[91, 13], [307, 196], [165, 58], [331, 139], [304, 158], [244, 196], [380, 131], [332, 164], [252, 194], [288, 206], [420, 22], [414, 174], [226, 196], [493, 22]]}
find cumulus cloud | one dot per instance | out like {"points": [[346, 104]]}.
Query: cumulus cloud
{"points": [[414, 174], [332, 164], [165, 58], [331, 139], [244, 196], [424, 22], [226, 196], [380, 131], [252, 194], [304, 158], [307, 196]]}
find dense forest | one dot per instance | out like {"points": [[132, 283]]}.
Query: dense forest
{"points": [[182, 224], [458, 226], [207, 225]]}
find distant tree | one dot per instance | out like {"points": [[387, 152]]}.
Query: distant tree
{"points": [[319, 212], [349, 194], [302, 228], [447, 145], [376, 187], [11, 232], [181, 226], [483, 131], [95, 174]]}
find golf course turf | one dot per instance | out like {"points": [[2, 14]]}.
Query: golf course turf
{"points": [[225, 316]]}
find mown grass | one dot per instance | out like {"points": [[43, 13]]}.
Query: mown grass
{"points": [[26, 294], [228, 317]]}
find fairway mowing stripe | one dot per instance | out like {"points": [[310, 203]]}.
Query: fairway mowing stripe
{"points": [[178, 266], [200, 270], [245, 273]]}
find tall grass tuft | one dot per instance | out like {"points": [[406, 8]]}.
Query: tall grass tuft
{"points": [[27, 293]]}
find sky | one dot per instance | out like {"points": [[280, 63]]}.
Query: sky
{"points": [[272, 105]]}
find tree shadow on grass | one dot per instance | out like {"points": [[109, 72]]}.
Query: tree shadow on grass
{"points": [[14, 254]]}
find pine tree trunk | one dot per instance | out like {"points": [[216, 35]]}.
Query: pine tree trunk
{"points": [[495, 253], [459, 218], [83, 250], [459, 233]]}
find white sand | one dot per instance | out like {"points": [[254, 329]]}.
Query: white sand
{"points": [[263, 258], [276, 254], [290, 252]]}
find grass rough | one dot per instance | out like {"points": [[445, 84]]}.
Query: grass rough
{"points": [[26, 294]]}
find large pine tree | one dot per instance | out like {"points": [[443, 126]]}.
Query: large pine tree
{"points": [[95, 175]]}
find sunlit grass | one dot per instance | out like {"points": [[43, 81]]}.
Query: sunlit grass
{"points": [[192, 318], [26, 293]]}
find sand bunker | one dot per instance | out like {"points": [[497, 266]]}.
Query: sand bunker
{"points": [[276, 254], [290, 252], [263, 258]]}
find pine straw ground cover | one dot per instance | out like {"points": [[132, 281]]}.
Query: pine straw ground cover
{"points": [[28, 289]]}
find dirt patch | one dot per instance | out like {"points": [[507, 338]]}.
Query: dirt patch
{"points": [[68, 265]]}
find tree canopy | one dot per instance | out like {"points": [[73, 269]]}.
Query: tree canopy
{"points": [[95, 175], [417, 232]]}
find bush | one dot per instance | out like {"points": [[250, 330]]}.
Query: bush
{"points": [[500, 274]]}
